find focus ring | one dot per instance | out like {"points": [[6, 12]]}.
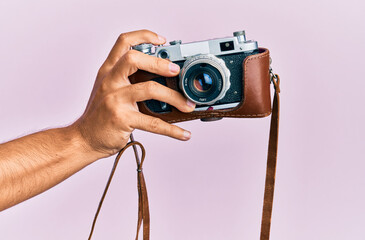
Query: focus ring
{"points": [[215, 62]]}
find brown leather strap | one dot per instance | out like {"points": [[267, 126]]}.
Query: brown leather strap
{"points": [[143, 208], [271, 163]]}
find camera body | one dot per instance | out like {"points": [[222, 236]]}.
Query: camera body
{"points": [[211, 71]]}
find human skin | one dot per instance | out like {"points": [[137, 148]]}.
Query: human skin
{"points": [[34, 163]]}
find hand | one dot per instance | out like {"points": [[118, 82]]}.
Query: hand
{"points": [[112, 113]]}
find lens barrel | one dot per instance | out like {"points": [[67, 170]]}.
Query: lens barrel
{"points": [[204, 79]]}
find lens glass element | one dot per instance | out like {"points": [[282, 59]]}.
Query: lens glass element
{"points": [[203, 82]]}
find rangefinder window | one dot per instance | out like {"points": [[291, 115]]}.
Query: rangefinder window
{"points": [[227, 46]]}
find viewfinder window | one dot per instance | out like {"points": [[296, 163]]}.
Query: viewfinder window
{"points": [[227, 46]]}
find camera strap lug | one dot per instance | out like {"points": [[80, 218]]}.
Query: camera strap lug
{"points": [[274, 78]]}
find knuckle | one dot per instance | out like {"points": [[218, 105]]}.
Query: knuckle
{"points": [[104, 88], [134, 89], [131, 57], [131, 91], [123, 119], [154, 124], [146, 32], [170, 129], [122, 37], [113, 60], [152, 86], [110, 102], [116, 112], [116, 118]]}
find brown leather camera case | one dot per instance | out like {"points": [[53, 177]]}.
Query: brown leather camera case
{"points": [[256, 100]]}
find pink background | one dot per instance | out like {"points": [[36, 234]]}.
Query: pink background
{"points": [[212, 186]]}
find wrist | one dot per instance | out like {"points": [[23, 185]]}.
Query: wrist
{"points": [[74, 135]]}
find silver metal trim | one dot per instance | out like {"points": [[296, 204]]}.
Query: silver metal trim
{"points": [[216, 107], [144, 47], [180, 52]]}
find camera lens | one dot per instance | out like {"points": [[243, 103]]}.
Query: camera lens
{"points": [[204, 79], [203, 82]]}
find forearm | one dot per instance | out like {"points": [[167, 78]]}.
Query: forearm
{"points": [[35, 163]]}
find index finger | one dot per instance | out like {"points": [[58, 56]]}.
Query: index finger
{"points": [[158, 126], [125, 41]]}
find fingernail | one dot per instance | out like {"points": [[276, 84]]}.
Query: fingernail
{"points": [[174, 68], [161, 39], [187, 135], [190, 103]]}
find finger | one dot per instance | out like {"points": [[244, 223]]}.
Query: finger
{"points": [[134, 60], [158, 126], [126, 40], [152, 90]]}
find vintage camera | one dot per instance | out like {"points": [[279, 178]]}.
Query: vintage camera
{"points": [[211, 71]]}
